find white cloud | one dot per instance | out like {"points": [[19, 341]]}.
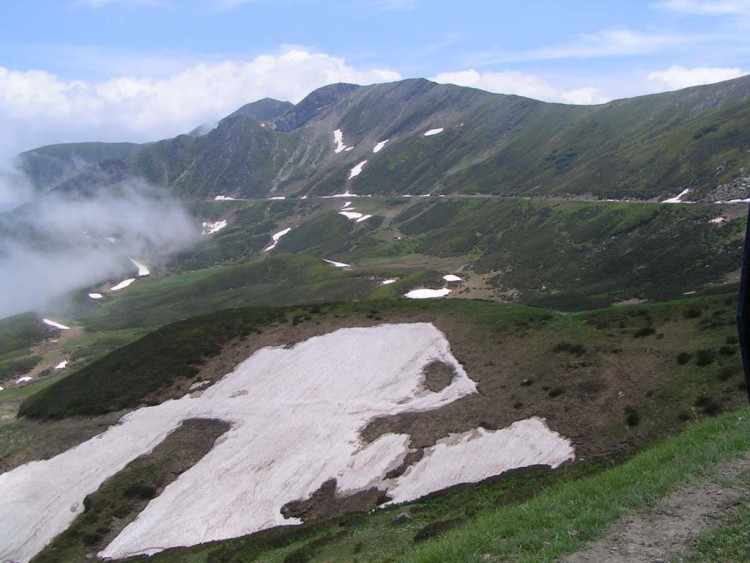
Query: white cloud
{"points": [[680, 77], [521, 84], [37, 107], [707, 7]]}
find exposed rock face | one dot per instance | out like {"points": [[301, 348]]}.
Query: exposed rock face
{"points": [[738, 188]]}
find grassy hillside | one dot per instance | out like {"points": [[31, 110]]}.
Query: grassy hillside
{"points": [[615, 381], [495, 144]]}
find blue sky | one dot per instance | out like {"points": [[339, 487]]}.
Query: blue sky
{"points": [[139, 70]]}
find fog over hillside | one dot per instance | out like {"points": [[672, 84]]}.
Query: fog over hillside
{"points": [[58, 244]]}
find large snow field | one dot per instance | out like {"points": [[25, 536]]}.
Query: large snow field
{"points": [[296, 414]]}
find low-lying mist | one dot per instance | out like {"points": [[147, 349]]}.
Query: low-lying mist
{"points": [[60, 243]]}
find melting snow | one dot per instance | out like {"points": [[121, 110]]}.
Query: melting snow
{"points": [[432, 132], [24, 379], [123, 284], [142, 270], [338, 140], [321, 395], [347, 204], [62, 365], [718, 220], [350, 214], [451, 278], [96, 295], [55, 324], [388, 282], [379, 147], [224, 198], [337, 264], [211, 228], [678, 197], [357, 170], [427, 293], [363, 218], [735, 201], [474, 455], [276, 238]]}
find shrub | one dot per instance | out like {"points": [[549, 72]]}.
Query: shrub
{"points": [[708, 405], [725, 373], [140, 491], [437, 528], [704, 357], [631, 416], [727, 350], [556, 392], [692, 313], [645, 331], [732, 339], [684, 357]]}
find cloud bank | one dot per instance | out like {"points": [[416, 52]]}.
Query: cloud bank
{"points": [[61, 244], [38, 108]]}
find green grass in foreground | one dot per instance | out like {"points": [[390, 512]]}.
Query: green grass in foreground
{"points": [[562, 520], [728, 542]]}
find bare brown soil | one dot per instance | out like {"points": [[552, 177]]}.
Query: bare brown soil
{"points": [[666, 530], [438, 375]]}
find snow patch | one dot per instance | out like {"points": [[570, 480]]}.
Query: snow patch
{"points": [[210, 228], [388, 282], [337, 264], [96, 295], [427, 293], [357, 170], [718, 220], [122, 285], [678, 197], [363, 218], [142, 270], [24, 379], [276, 198], [62, 365], [451, 278], [379, 147], [224, 198], [474, 455], [351, 214], [347, 204], [276, 238], [55, 324], [338, 141], [349, 149], [735, 201], [320, 396], [432, 132]]}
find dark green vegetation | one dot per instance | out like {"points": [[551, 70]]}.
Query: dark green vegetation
{"points": [[21, 332], [139, 372], [495, 144]]}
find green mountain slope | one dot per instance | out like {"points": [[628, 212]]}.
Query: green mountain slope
{"points": [[645, 147]]}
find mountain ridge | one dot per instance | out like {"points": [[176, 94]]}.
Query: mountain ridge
{"points": [[644, 147]]}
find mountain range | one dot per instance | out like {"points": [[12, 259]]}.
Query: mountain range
{"points": [[640, 148]]}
